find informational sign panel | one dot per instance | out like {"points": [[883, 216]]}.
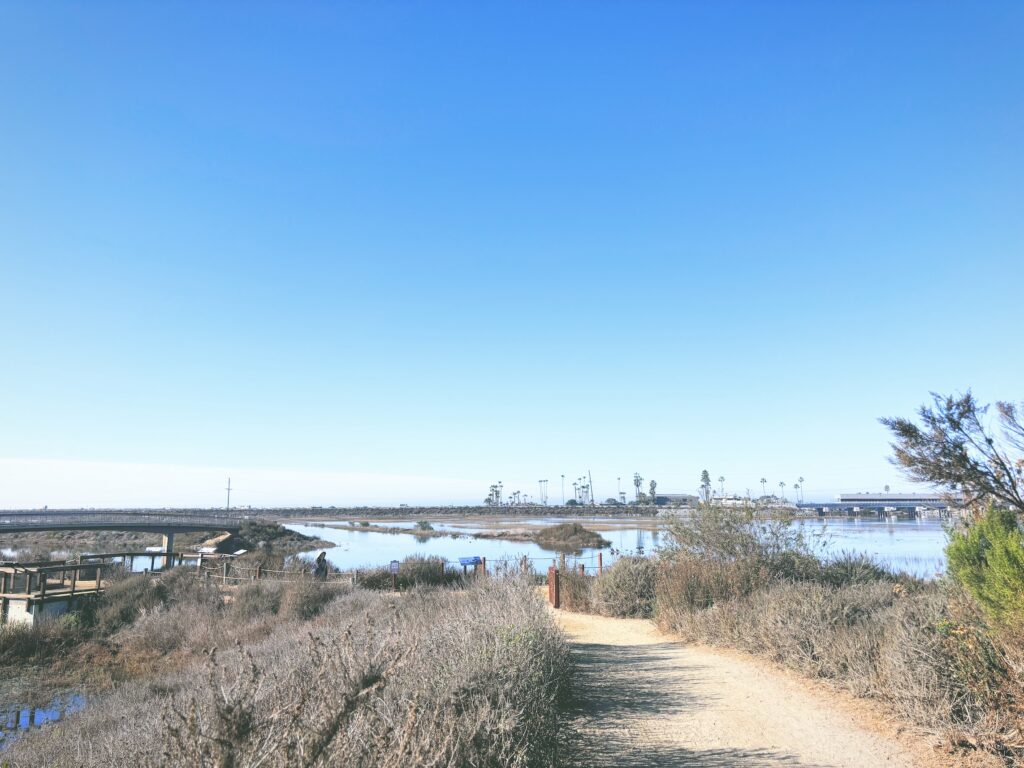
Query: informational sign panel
{"points": [[394, 566]]}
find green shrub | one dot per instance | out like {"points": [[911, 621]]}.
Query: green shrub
{"points": [[988, 560]]}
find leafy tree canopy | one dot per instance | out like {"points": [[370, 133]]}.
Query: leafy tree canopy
{"points": [[954, 447]]}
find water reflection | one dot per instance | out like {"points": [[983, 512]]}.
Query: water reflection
{"points": [[19, 719]]}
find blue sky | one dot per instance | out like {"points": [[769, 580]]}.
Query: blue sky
{"points": [[393, 252]]}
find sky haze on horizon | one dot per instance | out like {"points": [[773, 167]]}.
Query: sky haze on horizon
{"points": [[389, 252]]}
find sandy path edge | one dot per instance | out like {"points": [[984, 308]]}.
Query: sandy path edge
{"points": [[644, 700]]}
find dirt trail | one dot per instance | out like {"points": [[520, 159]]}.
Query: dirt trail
{"points": [[645, 701]]}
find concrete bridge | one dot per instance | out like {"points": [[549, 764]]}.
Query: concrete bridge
{"points": [[165, 523]]}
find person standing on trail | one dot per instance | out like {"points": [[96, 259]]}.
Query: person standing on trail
{"points": [[321, 568]]}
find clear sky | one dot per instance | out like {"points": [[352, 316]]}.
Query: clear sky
{"points": [[393, 252]]}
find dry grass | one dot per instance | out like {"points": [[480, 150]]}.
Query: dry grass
{"points": [[430, 678]]}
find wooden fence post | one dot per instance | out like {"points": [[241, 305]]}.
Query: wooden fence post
{"points": [[600, 564], [259, 570], [483, 563], [554, 593], [227, 565], [581, 569], [99, 578]]}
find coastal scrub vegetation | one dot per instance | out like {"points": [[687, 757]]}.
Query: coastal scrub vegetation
{"points": [[360, 678], [944, 655]]}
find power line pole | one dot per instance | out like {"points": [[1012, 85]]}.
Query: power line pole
{"points": [[563, 490], [229, 494]]}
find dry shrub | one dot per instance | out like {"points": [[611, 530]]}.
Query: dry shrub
{"points": [[576, 591], [413, 571], [305, 599], [433, 678], [257, 599], [626, 588], [918, 650], [685, 583], [125, 600], [24, 642]]}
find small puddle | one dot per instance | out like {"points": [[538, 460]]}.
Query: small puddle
{"points": [[15, 721]]}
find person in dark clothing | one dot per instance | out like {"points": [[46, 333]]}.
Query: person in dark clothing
{"points": [[321, 568]]}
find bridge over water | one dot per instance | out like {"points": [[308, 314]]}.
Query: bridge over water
{"points": [[166, 523]]}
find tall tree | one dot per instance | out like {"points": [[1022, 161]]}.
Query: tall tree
{"points": [[800, 480], [654, 497], [954, 447], [764, 486], [705, 486], [721, 484], [782, 490]]}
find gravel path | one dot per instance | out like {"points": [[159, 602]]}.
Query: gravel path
{"points": [[645, 701]]}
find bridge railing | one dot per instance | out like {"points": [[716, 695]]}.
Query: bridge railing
{"points": [[44, 521]]}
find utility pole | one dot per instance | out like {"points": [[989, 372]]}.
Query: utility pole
{"points": [[590, 485], [229, 495], [563, 490]]}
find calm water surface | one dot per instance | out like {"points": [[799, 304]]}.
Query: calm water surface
{"points": [[21, 719], [915, 546]]}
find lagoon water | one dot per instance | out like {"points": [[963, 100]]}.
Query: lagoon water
{"points": [[914, 546]]}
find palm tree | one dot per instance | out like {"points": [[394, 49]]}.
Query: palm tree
{"points": [[801, 488], [796, 491], [721, 484], [764, 484], [782, 489]]}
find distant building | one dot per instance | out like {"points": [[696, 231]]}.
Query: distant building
{"points": [[676, 499], [922, 499]]}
